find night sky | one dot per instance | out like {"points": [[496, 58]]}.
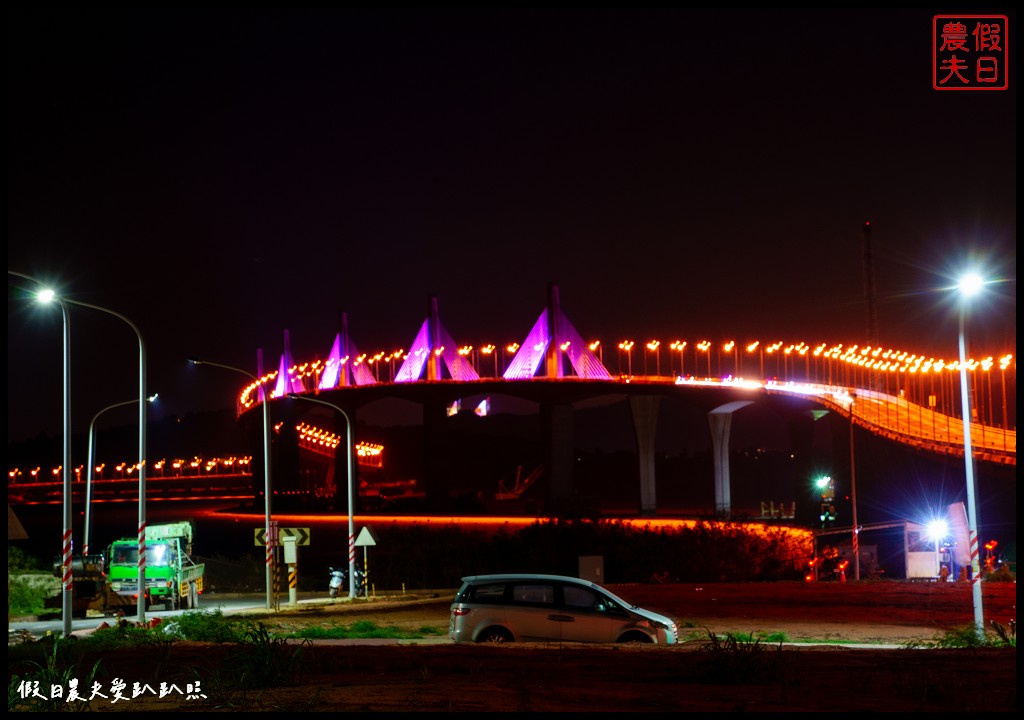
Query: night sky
{"points": [[219, 177]]}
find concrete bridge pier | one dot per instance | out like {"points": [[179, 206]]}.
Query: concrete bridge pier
{"points": [[644, 410], [720, 421], [557, 431]]}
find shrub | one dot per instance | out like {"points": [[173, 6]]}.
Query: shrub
{"points": [[27, 594], [738, 659], [203, 626], [19, 561], [1001, 574]]}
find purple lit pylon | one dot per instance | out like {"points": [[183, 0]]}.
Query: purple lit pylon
{"points": [[286, 382], [343, 368], [435, 350], [551, 337]]}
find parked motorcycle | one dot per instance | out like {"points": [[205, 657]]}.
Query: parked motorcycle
{"points": [[337, 582], [360, 584]]}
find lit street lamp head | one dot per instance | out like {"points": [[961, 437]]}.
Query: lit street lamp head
{"points": [[970, 284]]}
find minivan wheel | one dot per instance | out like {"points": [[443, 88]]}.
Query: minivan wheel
{"points": [[637, 637], [495, 635]]}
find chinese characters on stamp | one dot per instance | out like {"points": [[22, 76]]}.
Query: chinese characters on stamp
{"points": [[969, 52]]}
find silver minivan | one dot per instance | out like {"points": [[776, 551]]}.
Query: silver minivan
{"points": [[531, 608]]}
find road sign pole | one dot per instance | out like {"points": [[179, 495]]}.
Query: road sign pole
{"points": [[366, 572]]}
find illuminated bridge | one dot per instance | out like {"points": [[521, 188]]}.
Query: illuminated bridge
{"points": [[907, 398]]}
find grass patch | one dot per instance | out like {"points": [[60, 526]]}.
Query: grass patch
{"points": [[968, 637], [364, 629], [773, 637], [739, 659]]}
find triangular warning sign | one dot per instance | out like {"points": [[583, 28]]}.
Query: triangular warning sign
{"points": [[365, 539]]}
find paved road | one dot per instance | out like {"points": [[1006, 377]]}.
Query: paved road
{"points": [[226, 603]]}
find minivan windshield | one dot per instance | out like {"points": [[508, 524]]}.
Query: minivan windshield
{"points": [[618, 600]]}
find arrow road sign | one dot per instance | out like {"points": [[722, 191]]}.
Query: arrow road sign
{"points": [[301, 535]]}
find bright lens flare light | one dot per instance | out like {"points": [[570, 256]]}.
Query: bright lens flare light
{"points": [[937, 530], [970, 284]]}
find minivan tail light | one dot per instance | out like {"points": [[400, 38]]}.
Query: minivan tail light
{"points": [[461, 611]]}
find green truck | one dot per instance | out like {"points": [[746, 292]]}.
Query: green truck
{"points": [[172, 578]]}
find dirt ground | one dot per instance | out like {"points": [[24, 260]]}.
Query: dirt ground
{"points": [[697, 675]]}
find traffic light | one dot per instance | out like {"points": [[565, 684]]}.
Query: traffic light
{"points": [[827, 487], [828, 514]]}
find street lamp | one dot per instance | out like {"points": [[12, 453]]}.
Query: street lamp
{"points": [[679, 345], [970, 285], [66, 540], [1004, 362], [754, 346], [627, 345], [89, 467], [267, 536], [653, 346], [47, 295], [467, 351], [351, 509], [510, 349], [142, 449], [705, 347], [490, 350], [853, 497]]}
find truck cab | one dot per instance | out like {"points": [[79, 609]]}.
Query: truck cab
{"points": [[172, 578]]}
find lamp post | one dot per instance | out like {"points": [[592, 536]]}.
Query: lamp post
{"points": [[754, 346], [510, 349], [705, 347], [351, 509], [491, 350], [45, 296], [627, 345], [679, 345], [467, 351], [267, 536], [653, 346], [89, 469], [969, 286], [855, 540], [142, 450]]}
